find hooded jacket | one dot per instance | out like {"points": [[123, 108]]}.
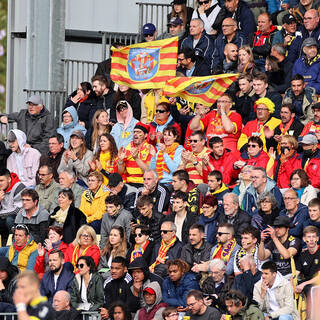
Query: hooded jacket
{"points": [[26, 163], [38, 128], [11, 203], [154, 311], [122, 131], [283, 292], [66, 129], [6, 294]]}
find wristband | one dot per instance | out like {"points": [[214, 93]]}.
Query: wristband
{"points": [[21, 307]]}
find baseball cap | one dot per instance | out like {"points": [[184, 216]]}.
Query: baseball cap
{"points": [[149, 290], [179, 2], [114, 179], [175, 21], [309, 139], [78, 134], [289, 18], [309, 42], [142, 126], [282, 221], [148, 29], [35, 99]]}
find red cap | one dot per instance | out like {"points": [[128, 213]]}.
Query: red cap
{"points": [[142, 126], [149, 290]]}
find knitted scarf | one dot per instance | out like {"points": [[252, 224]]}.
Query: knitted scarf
{"points": [[164, 248], [241, 253], [226, 252], [138, 251], [161, 164], [75, 256]]}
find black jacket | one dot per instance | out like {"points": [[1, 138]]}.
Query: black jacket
{"points": [[71, 314], [191, 255], [244, 106], [146, 254], [53, 162], [6, 294], [201, 68], [275, 97]]}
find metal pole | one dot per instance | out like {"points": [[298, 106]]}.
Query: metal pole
{"points": [[104, 44]]}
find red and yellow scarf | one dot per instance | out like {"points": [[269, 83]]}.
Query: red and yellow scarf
{"points": [[75, 256], [138, 251], [164, 248], [161, 164], [226, 251]]}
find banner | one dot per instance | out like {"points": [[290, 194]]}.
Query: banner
{"points": [[204, 90], [146, 65]]}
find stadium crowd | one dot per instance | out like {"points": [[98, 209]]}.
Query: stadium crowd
{"points": [[148, 207]]}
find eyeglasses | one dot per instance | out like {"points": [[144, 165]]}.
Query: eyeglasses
{"points": [[228, 25], [80, 265], [161, 111], [262, 109], [289, 198], [86, 236], [252, 145], [165, 231], [308, 18], [221, 233], [122, 107], [148, 35], [193, 141], [180, 59], [203, 2], [43, 174]]}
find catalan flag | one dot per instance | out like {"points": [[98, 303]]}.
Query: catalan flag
{"points": [[204, 90], [145, 65]]}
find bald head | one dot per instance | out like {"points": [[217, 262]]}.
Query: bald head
{"points": [[61, 300], [231, 52], [311, 19], [229, 27]]}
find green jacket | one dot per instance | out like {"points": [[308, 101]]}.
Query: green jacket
{"points": [[249, 313]]}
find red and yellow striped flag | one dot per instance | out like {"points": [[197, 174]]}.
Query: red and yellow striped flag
{"points": [[146, 65], [204, 90]]}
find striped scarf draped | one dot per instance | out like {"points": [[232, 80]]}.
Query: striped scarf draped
{"points": [[164, 248], [161, 164]]}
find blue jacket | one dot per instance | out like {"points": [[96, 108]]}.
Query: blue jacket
{"points": [[310, 71], [175, 296], [309, 222], [64, 282], [297, 220], [118, 133], [67, 129], [218, 54], [251, 196], [204, 47], [210, 227]]}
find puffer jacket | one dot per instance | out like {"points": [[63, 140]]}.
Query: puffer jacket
{"points": [[66, 129]]}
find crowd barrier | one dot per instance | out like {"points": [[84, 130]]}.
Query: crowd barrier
{"points": [[85, 316]]}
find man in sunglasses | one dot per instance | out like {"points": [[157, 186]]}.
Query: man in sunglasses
{"points": [[149, 32]]}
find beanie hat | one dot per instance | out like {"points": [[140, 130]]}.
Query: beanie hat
{"points": [[267, 102]]}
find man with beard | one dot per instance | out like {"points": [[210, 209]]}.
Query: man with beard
{"points": [[229, 63], [59, 276], [191, 65], [313, 126]]}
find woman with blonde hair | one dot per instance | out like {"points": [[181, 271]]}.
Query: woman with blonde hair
{"points": [[245, 60], [85, 244]]}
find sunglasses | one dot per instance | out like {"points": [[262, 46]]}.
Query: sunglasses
{"points": [[80, 265], [161, 111], [139, 235], [22, 227], [122, 107], [252, 145], [165, 231], [193, 141], [203, 2], [221, 233]]}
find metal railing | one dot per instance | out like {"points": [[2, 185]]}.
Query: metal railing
{"points": [[85, 316]]}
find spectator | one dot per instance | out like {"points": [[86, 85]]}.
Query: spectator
{"points": [[302, 98], [33, 215], [263, 125], [169, 248], [70, 123], [119, 311], [90, 299], [198, 309], [308, 64], [282, 246], [192, 160], [217, 284], [100, 125], [105, 158], [260, 183], [310, 158], [52, 243], [314, 214], [216, 187], [59, 276], [47, 187], [300, 9], [53, 157], [154, 306], [229, 63], [197, 249], [238, 305], [168, 158], [61, 305], [76, 158], [170, 313], [122, 131], [191, 65], [149, 32], [300, 182], [152, 187], [209, 218], [116, 246], [10, 201], [93, 200], [149, 216], [67, 216], [115, 215], [181, 216], [178, 283], [267, 211], [85, 244], [4, 154], [176, 28], [24, 161], [245, 64], [35, 121], [135, 158], [23, 240], [180, 10], [199, 41], [274, 287]]}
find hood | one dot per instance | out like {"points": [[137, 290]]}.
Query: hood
{"points": [[128, 119], [190, 186], [21, 137], [75, 119], [156, 287], [11, 269], [270, 185], [14, 180], [139, 263], [223, 188]]}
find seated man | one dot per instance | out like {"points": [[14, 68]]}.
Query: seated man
{"points": [[10, 201], [274, 294], [216, 187], [313, 126], [36, 122], [307, 262], [59, 276], [281, 245], [63, 310], [25, 257], [229, 63], [33, 215], [314, 214]]}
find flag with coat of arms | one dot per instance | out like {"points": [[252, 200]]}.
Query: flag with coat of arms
{"points": [[146, 65]]}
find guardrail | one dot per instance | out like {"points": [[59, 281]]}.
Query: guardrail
{"points": [[85, 316]]}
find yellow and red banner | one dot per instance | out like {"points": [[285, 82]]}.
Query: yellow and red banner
{"points": [[146, 65], [204, 90]]}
